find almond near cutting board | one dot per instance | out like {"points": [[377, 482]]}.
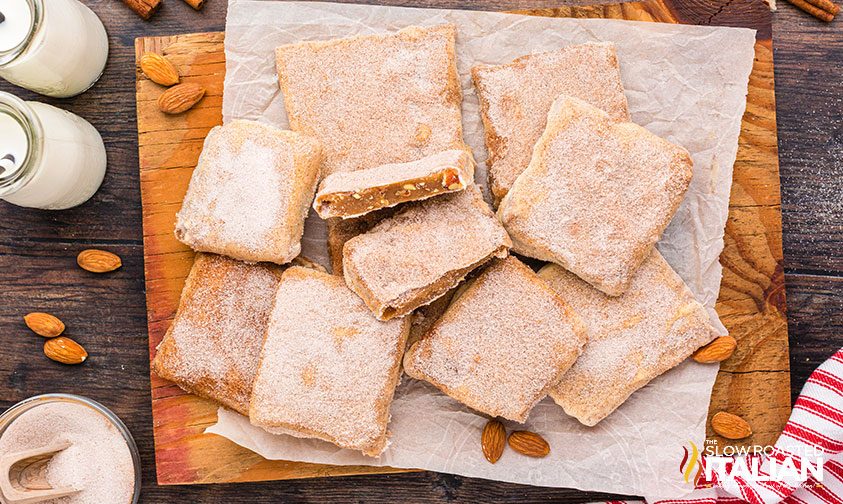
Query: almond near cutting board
{"points": [[754, 383]]}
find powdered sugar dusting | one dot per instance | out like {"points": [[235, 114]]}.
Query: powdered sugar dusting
{"points": [[98, 462], [243, 199], [516, 97], [420, 245], [328, 368], [502, 343], [597, 195], [375, 99], [655, 325], [213, 346]]}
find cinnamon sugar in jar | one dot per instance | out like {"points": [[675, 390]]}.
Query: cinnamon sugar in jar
{"points": [[102, 461]]}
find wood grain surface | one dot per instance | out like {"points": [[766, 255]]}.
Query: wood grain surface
{"points": [[753, 384], [108, 313]]}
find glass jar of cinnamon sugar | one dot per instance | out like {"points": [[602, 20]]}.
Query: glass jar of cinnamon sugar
{"points": [[101, 461]]}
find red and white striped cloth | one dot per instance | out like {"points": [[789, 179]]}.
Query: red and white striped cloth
{"points": [[815, 430]]}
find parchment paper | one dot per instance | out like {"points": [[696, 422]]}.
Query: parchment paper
{"points": [[685, 83]]}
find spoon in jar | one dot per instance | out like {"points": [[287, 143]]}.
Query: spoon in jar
{"points": [[7, 162], [23, 476]]}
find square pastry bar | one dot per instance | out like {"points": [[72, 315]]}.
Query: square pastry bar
{"points": [[250, 193], [328, 369], [375, 99], [213, 346], [596, 196], [421, 252], [516, 97], [352, 194], [651, 328], [504, 341]]}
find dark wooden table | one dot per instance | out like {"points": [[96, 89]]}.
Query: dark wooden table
{"points": [[107, 313]]}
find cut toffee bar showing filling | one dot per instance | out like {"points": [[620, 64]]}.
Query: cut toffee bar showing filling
{"points": [[504, 341], [597, 195], [352, 194], [328, 369], [417, 255]]}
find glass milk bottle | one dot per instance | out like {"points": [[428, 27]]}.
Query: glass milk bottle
{"points": [[54, 47], [49, 158]]}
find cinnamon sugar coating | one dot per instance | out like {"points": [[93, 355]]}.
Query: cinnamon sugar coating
{"points": [[417, 255], [250, 193], [342, 230], [515, 98], [506, 339], [375, 99], [597, 195], [633, 338], [328, 368]]}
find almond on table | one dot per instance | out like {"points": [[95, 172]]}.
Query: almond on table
{"points": [[717, 351], [529, 444], [159, 69], [65, 350], [730, 426], [98, 261], [180, 98], [493, 440], [352, 194], [44, 324]]}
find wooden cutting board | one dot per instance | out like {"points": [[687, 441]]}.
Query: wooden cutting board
{"points": [[754, 383]]}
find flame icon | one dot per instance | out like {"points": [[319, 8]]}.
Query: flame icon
{"points": [[690, 461]]}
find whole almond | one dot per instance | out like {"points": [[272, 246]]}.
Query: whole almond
{"points": [[529, 444], [98, 261], [717, 351], [65, 350], [730, 426], [493, 440], [159, 69], [44, 324], [180, 98]]}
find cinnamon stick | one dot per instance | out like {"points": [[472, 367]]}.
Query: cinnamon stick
{"points": [[818, 12], [826, 5], [144, 8], [196, 4]]}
